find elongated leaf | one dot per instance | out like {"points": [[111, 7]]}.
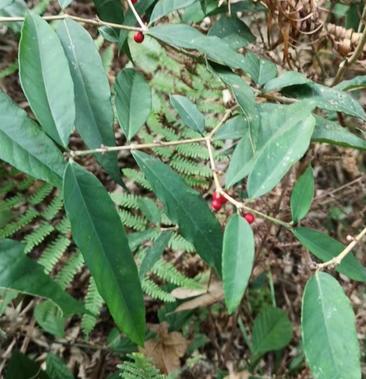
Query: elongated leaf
{"points": [[329, 330], [302, 195], [20, 273], [97, 230], [282, 150], [237, 260], [233, 31], [233, 128], [153, 253], [287, 79], [272, 331], [56, 368], [186, 37], [50, 318], [260, 70], [326, 248], [164, 7], [331, 132], [133, 101], [354, 84], [189, 113], [94, 113], [110, 10], [26, 147], [185, 207], [45, 78]]}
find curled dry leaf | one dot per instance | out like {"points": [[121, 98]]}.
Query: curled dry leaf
{"points": [[214, 294], [166, 348]]}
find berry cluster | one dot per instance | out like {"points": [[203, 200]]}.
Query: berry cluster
{"points": [[219, 200]]}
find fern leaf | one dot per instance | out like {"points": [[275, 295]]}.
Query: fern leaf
{"points": [[23, 220], [153, 290], [139, 367], [54, 207], [70, 269], [41, 194], [132, 221], [37, 236], [53, 253]]}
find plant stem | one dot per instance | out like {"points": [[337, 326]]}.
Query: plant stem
{"points": [[96, 21], [338, 259], [144, 28]]}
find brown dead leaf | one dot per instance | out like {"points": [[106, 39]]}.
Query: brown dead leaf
{"points": [[166, 348], [185, 293], [236, 375], [214, 294]]}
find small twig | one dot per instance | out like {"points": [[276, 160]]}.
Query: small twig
{"points": [[348, 62], [144, 28], [96, 21], [338, 259]]}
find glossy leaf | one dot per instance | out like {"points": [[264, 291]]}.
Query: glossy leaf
{"points": [[233, 31], [50, 318], [110, 10], [98, 232], [185, 207], [326, 248], [272, 331], [287, 79], [25, 146], [45, 78], [154, 252], [20, 273], [354, 84], [21, 367], [189, 113], [186, 37], [260, 70], [133, 101], [285, 147], [237, 260], [302, 195], [328, 328], [333, 133], [94, 113], [164, 7]]}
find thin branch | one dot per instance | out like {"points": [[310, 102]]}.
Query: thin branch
{"points": [[338, 259], [144, 28], [90, 21], [348, 62]]}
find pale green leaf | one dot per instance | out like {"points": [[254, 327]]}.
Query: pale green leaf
{"points": [[45, 78], [50, 318], [259, 69], [164, 7], [287, 79], [328, 328], [237, 260]]}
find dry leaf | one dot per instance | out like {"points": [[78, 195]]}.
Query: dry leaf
{"points": [[166, 348], [236, 375], [185, 293], [214, 294]]}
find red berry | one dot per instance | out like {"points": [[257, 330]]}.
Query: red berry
{"points": [[216, 196], [134, 1], [138, 37], [249, 217], [216, 205]]}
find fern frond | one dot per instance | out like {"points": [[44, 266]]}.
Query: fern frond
{"points": [[64, 226], [166, 271], [41, 194], [139, 367], [12, 202], [153, 290], [125, 200], [137, 177], [37, 236], [94, 304], [132, 221], [23, 220], [53, 208], [188, 167], [6, 187], [193, 151], [70, 269], [25, 183], [178, 243], [53, 252]]}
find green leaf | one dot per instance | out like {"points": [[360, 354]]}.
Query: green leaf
{"points": [[354, 84], [20, 273], [26, 147], [56, 368], [110, 10], [237, 260], [164, 7], [185, 207], [186, 37], [94, 113], [326, 248], [189, 113], [50, 318], [233, 31], [328, 328], [21, 367], [45, 78], [302, 195], [285, 147], [133, 101], [233, 128], [260, 70], [149, 210], [154, 252], [287, 79], [5, 3], [272, 331], [97, 230], [333, 133], [64, 3]]}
